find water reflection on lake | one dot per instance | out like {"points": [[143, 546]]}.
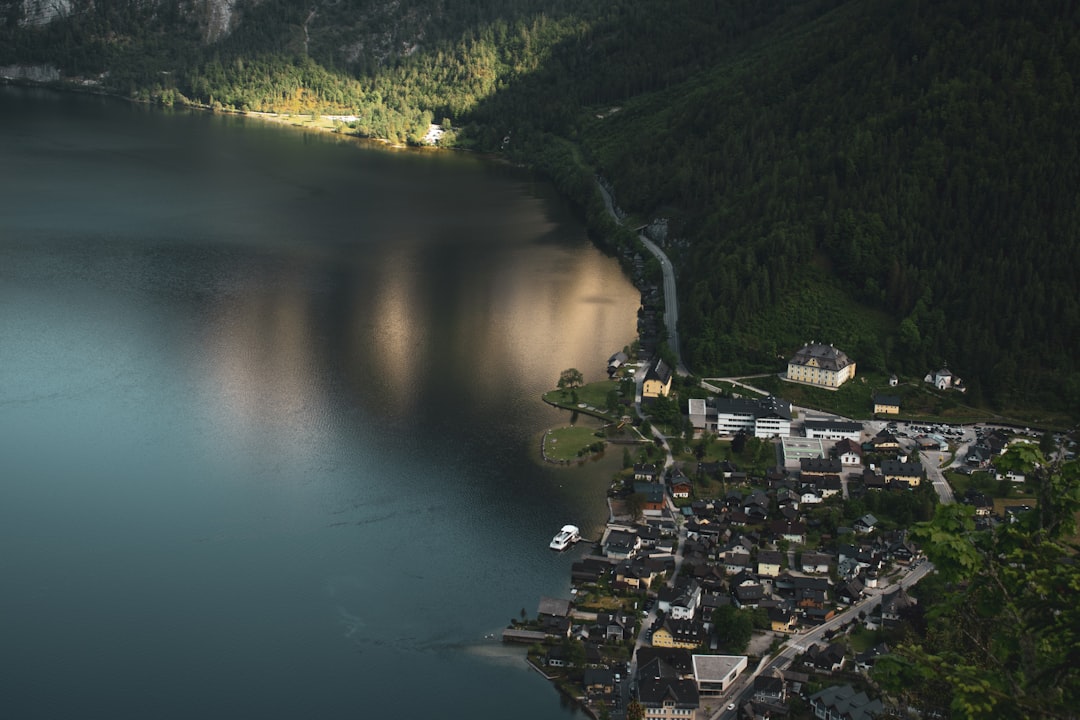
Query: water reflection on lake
{"points": [[270, 415]]}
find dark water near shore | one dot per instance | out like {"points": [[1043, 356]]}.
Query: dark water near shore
{"points": [[269, 416]]}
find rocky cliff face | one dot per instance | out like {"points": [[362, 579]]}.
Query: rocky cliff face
{"points": [[375, 30], [42, 12], [216, 17]]}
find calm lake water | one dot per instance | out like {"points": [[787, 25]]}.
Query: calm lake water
{"points": [[269, 418]]}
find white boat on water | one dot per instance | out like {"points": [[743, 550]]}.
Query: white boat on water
{"points": [[565, 537]]}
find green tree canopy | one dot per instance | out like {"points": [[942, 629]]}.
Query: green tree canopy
{"points": [[571, 378], [734, 628], [1004, 639]]}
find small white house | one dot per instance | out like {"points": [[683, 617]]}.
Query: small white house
{"points": [[943, 379]]}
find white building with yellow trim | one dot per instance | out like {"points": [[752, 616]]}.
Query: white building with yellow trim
{"points": [[822, 365]]}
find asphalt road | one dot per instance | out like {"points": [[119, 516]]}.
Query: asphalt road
{"points": [[671, 299], [742, 690]]}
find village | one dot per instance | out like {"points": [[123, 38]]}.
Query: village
{"points": [[768, 583]]}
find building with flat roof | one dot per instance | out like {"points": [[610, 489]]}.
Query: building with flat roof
{"points": [[833, 429], [715, 673], [766, 417]]}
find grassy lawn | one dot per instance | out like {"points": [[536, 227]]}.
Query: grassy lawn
{"points": [[1001, 503], [593, 398], [862, 639], [757, 456], [918, 401], [570, 442]]}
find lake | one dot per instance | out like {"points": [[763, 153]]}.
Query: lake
{"points": [[270, 415]]}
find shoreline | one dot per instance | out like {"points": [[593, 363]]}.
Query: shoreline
{"points": [[321, 123]]}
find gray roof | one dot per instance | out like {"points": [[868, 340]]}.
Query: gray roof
{"points": [[838, 425], [827, 357], [821, 465], [554, 606], [659, 371], [845, 702], [653, 692], [756, 407], [903, 469]]}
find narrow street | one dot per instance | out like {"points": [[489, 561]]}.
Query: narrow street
{"points": [[797, 644]]}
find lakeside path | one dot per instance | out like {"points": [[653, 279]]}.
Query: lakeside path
{"points": [[671, 300]]}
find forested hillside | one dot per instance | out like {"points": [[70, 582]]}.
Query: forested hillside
{"points": [[895, 176]]}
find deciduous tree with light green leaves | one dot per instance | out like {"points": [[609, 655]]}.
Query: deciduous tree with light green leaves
{"points": [[1003, 640]]}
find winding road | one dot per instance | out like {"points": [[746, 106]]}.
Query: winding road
{"points": [[671, 299]]}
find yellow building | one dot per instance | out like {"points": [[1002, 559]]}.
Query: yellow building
{"points": [[686, 634], [886, 405], [899, 471], [657, 380], [821, 365]]}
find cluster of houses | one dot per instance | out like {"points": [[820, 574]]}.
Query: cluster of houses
{"points": [[753, 548], [748, 550]]}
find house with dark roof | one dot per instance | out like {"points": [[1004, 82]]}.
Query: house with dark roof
{"points": [[864, 661], [816, 467], [825, 485], [814, 562], [848, 451], [769, 563], [647, 472], [614, 626], [589, 570], [657, 381], [665, 662], [668, 697], [616, 361], [820, 365], [688, 634], [599, 682], [850, 591], [736, 561], [885, 443], [681, 600], [621, 544], [984, 506], [679, 486], [825, 658], [655, 500], [794, 532], [893, 605], [866, 524], [903, 472], [770, 689], [832, 429], [886, 405], [783, 619], [748, 594], [873, 480], [844, 703]]}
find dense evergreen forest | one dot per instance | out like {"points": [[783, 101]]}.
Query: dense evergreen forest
{"points": [[898, 177]]}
